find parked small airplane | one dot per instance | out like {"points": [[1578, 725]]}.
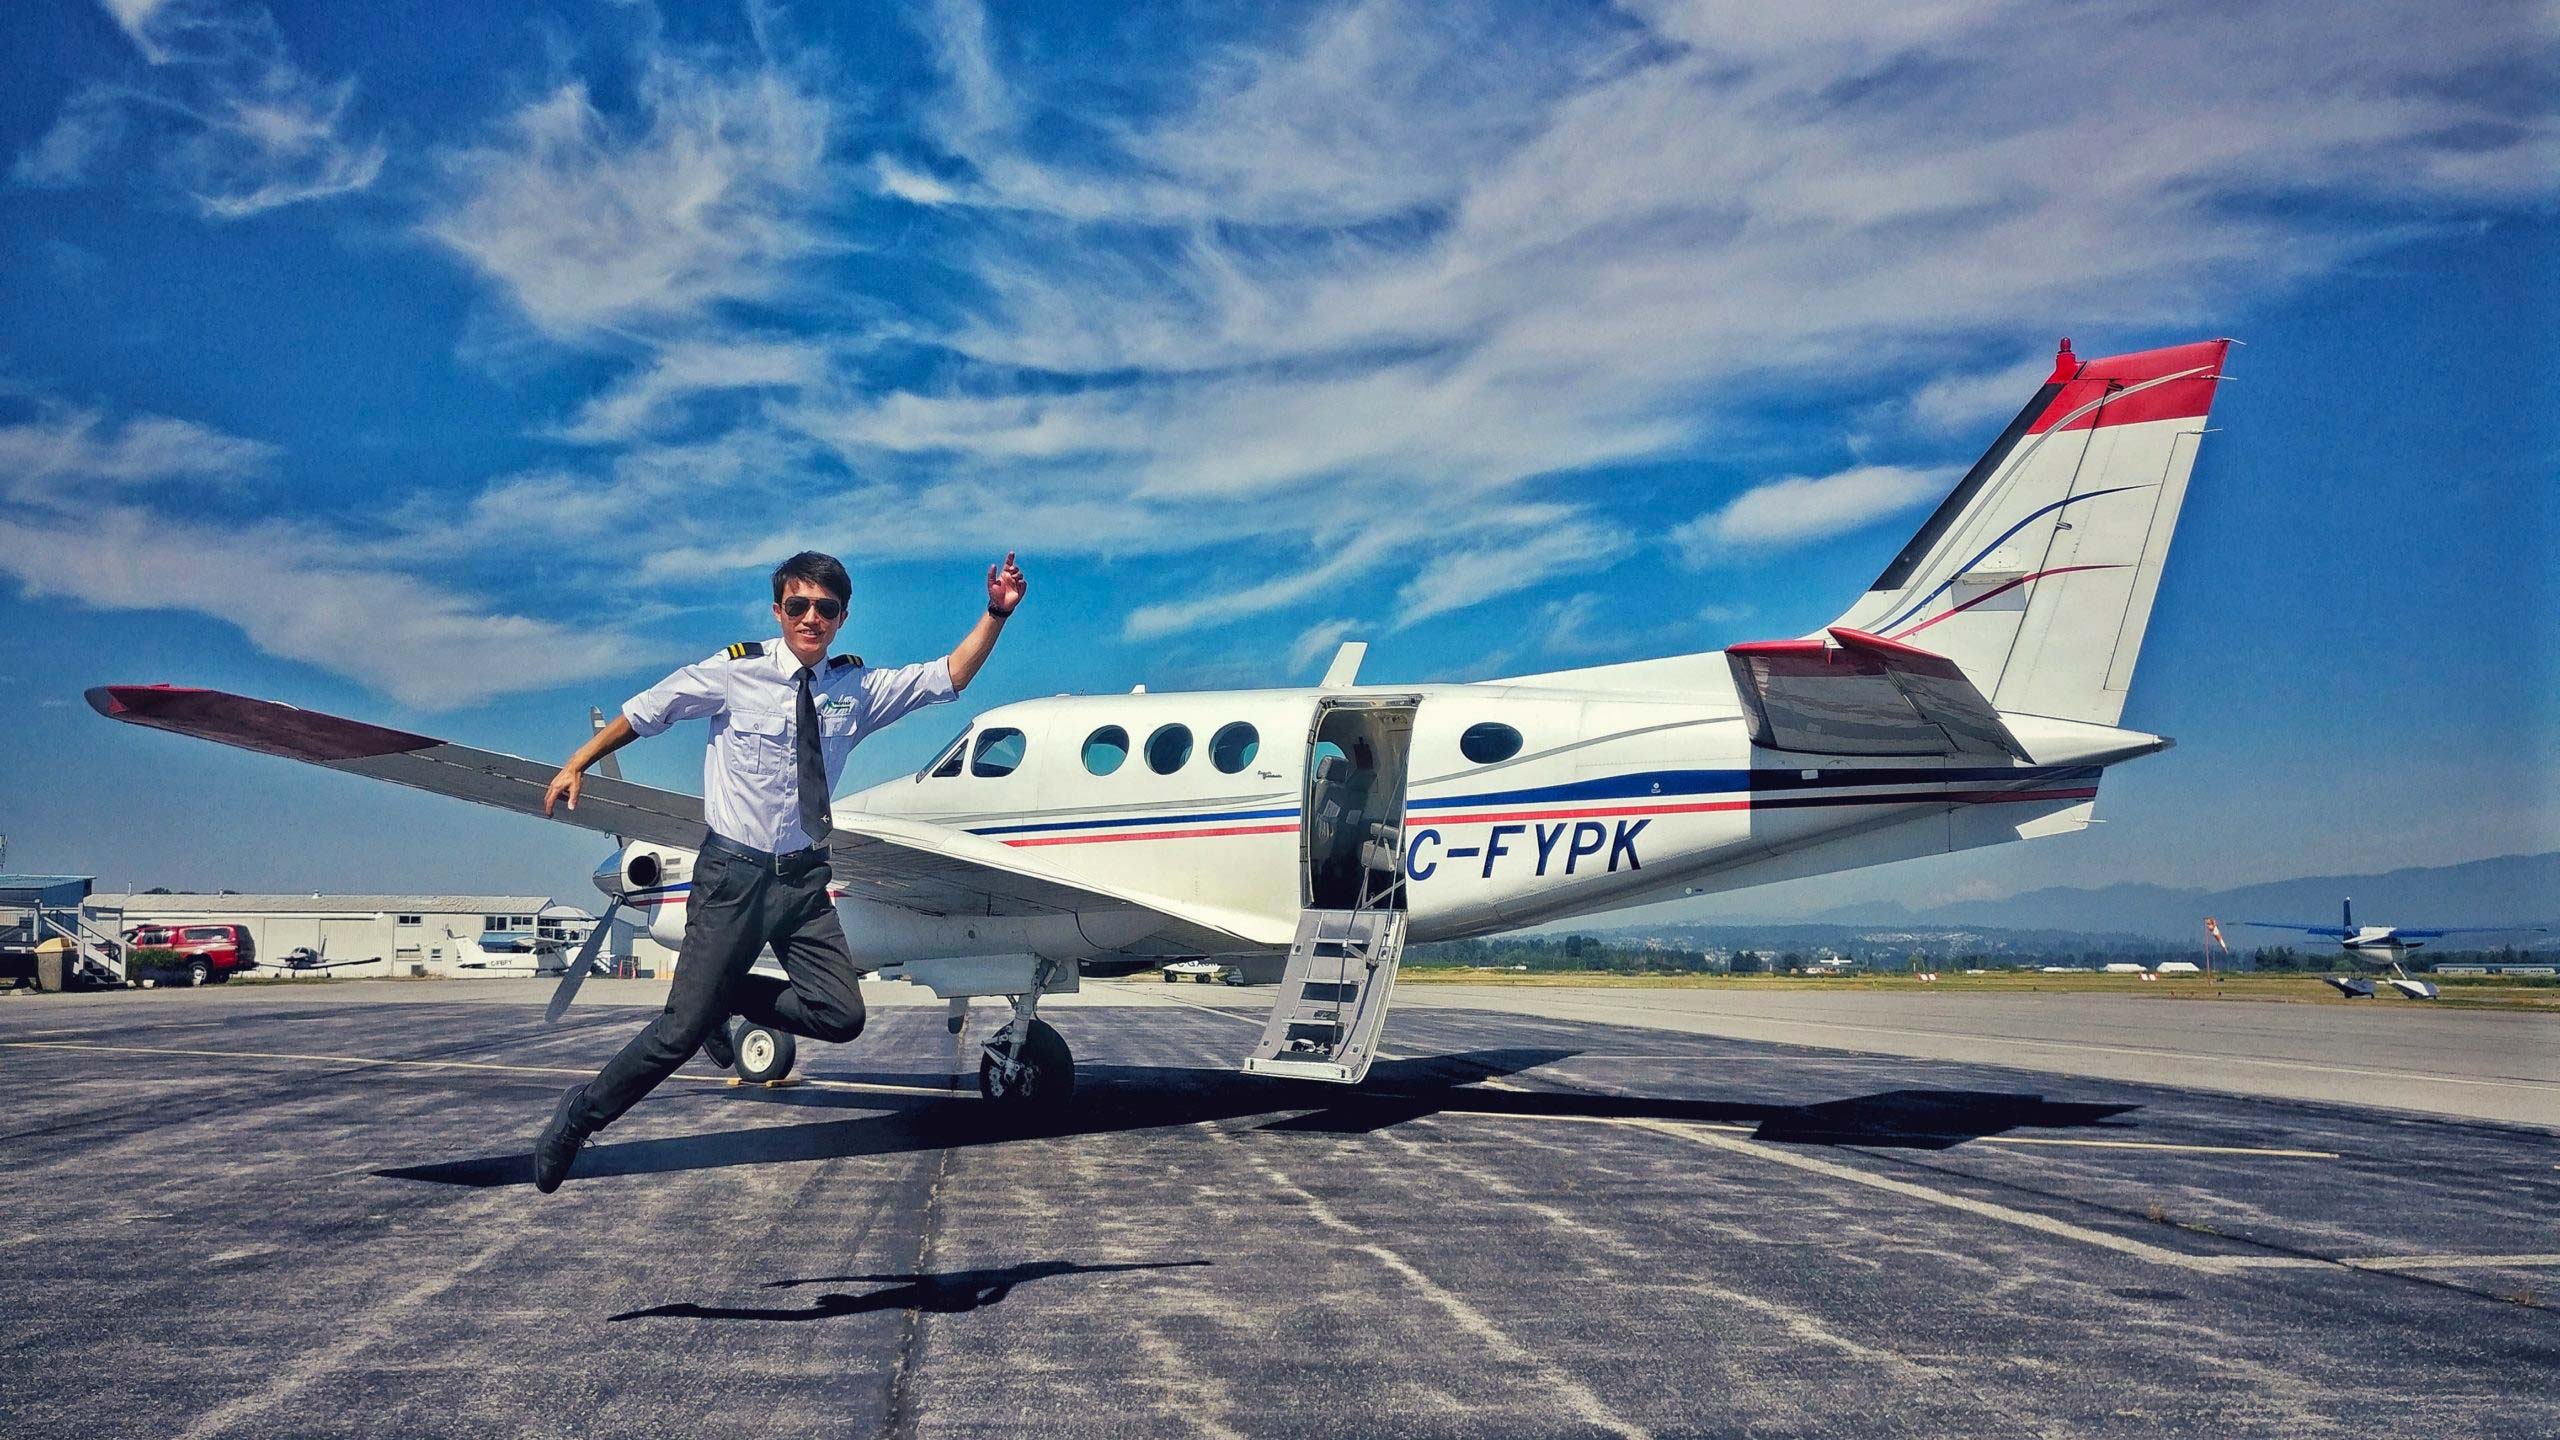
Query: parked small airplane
{"points": [[305, 958], [1969, 697], [2382, 945]]}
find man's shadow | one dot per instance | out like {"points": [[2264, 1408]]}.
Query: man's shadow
{"points": [[1114, 1099], [954, 1293]]}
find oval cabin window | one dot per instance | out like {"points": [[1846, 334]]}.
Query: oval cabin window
{"points": [[1234, 747], [1105, 749], [1169, 749], [1489, 742], [999, 752]]}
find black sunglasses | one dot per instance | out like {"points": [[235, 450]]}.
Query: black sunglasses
{"points": [[829, 607]]}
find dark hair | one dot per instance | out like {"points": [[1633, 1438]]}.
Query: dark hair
{"points": [[824, 571]]}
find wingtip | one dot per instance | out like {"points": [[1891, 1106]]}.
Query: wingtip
{"points": [[127, 702]]}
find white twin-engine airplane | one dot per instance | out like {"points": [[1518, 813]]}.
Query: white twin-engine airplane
{"points": [[1968, 698]]}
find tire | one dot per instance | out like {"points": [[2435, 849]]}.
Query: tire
{"points": [[1048, 1074], [765, 1054], [199, 973]]}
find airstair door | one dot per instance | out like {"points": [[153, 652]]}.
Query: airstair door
{"points": [[1333, 1000], [1342, 967]]}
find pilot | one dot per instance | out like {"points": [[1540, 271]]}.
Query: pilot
{"points": [[784, 715]]}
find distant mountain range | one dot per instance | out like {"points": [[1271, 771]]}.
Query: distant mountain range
{"points": [[2506, 890]]}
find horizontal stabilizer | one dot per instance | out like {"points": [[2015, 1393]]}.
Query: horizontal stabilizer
{"points": [[1864, 695]]}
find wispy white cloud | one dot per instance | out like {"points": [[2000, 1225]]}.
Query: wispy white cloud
{"points": [[1796, 509], [77, 523], [136, 17], [1318, 641], [236, 124], [1950, 404], [81, 449], [80, 140], [705, 194], [643, 400], [1221, 599], [1456, 579], [292, 597]]}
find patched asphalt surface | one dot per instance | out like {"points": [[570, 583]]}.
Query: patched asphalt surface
{"points": [[1528, 1227]]}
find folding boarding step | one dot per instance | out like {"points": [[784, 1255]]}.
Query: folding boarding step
{"points": [[1333, 999]]}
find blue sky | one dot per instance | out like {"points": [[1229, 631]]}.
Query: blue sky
{"points": [[460, 370]]}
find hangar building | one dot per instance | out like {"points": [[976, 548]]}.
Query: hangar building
{"points": [[387, 934]]}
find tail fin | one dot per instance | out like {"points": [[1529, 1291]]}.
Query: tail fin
{"points": [[2037, 572], [2347, 915]]}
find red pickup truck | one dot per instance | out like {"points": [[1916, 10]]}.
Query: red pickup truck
{"points": [[207, 953]]}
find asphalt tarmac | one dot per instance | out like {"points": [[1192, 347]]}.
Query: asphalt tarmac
{"points": [[308, 1212]]}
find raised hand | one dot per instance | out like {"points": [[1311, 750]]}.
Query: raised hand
{"points": [[1006, 585]]}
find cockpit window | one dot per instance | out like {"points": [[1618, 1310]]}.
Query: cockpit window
{"points": [[999, 752], [946, 764]]}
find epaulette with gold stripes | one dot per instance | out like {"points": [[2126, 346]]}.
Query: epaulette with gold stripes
{"points": [[838, 662], [746, 650]]}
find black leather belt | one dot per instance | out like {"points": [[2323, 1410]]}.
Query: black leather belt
{"points": [[790, 863]]}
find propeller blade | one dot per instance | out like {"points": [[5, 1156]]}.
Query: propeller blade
{"points": [[576, 975]]}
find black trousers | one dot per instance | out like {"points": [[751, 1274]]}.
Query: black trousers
{"points": [[737, 907]]}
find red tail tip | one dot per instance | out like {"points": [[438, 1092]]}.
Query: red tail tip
{"points": [[2065, 364]]}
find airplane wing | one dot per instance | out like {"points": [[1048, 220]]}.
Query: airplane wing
{"points": [[2332, 931], [1861, 694], [611, 807], [913, 865], [2436, 934]]}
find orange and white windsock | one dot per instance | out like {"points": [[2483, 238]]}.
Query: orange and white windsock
{"points": [[2216, 932]]}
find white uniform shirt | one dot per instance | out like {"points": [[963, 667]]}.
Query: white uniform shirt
{"points": [[751, 772]]}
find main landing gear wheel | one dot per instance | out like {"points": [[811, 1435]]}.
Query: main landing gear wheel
{"points": [[1042, 1077], [764, 1054]]}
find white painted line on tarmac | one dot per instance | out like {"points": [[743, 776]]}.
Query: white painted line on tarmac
{"points": [[1742, 1129], [866, 1086], [2064, 1229], [2450, 1262], [1989, 1210]]}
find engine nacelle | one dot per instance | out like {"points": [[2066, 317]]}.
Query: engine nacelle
{"points": [[654, 880]]}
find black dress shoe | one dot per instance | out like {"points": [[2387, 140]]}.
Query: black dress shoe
{"points": [[718, 1044], [557, 1148]]}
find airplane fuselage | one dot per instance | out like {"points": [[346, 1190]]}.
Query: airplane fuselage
{"points": [[1589, 801]]}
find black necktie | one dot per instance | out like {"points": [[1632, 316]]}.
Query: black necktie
{"points": [[813, 768]]}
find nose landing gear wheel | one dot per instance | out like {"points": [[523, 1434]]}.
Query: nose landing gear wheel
{"points": [[764, 1054], [1043, 1078]]}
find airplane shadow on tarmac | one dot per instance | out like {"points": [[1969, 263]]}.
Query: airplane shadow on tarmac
{"points": [[1112, 1099], [952, 1293]]}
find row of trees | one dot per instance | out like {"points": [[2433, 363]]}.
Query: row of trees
{"points": [[1584, 954]]}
